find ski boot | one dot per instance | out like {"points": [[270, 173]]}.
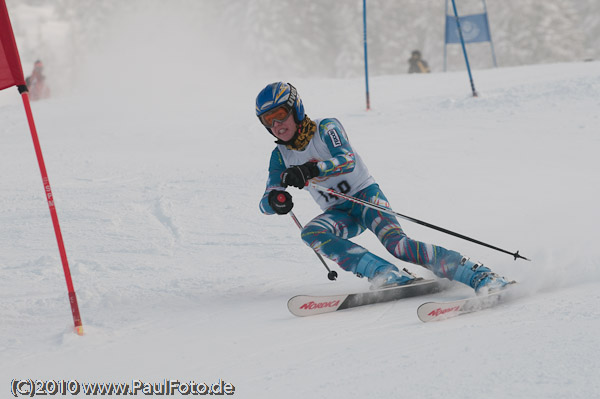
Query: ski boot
{"points": [[381, 273], [479, 277]]}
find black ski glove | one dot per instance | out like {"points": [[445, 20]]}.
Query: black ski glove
{"points": [[298, 175], [280, 201]]}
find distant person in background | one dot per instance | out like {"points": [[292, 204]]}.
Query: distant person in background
{"points": [[417, 64], [36, 83], [319, 149]]}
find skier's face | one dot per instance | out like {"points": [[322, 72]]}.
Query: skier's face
{"points": [[285, 129]]}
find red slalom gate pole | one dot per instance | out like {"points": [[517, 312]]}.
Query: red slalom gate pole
{"points": [[53, 214]]}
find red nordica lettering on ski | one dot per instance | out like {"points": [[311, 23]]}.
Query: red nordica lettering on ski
{"points": [[441, 311], [319, 305]]}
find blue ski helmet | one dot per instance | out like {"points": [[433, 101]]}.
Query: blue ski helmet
{"points": [[277, 94]]}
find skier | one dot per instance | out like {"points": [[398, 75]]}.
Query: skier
{"points": [[417, 64], [36, 83], [320, 150]]}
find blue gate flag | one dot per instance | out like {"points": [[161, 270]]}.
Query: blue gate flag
{"points": [[475, 28]]}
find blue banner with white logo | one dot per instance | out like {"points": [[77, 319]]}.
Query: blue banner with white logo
{"points": [[474, 28]]}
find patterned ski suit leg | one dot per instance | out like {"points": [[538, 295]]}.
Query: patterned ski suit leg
{"points": [[442, 262], [329, 234]]}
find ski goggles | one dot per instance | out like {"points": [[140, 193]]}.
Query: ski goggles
{"points": [[278, 114]]}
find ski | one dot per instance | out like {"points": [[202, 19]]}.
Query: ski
{"points": [[309, 305], [435, 311]]}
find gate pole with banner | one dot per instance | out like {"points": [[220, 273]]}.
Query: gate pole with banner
{"points": [[464, 48], [11, 74], [474, 28]]}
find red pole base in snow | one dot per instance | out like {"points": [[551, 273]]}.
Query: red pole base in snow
{"points": [[50, 199], [75, 311]]}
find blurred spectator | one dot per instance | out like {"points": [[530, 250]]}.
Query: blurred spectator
{"points": [[36, 83], [417, 64]]}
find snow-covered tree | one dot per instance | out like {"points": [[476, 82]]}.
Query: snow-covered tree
{"points": [[312, 38]]}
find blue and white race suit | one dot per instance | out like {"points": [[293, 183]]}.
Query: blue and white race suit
{"points": [[342, 169]]}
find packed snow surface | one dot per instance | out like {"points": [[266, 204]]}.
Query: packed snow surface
{"points": [[179, 276]]}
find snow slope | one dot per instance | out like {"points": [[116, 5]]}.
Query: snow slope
{"points": [[179, 276]]}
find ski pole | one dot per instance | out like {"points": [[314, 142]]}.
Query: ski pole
{"points": [[391, 212], [332, 274]]}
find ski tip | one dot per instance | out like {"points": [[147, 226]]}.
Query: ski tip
{"points": [[304, 305], [436, 311]]}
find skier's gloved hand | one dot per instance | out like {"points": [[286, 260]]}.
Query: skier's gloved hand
{"points": [[298, 175], [280, 201]]}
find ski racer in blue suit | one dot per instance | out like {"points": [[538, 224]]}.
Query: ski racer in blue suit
{"points": [[320, 150]]}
